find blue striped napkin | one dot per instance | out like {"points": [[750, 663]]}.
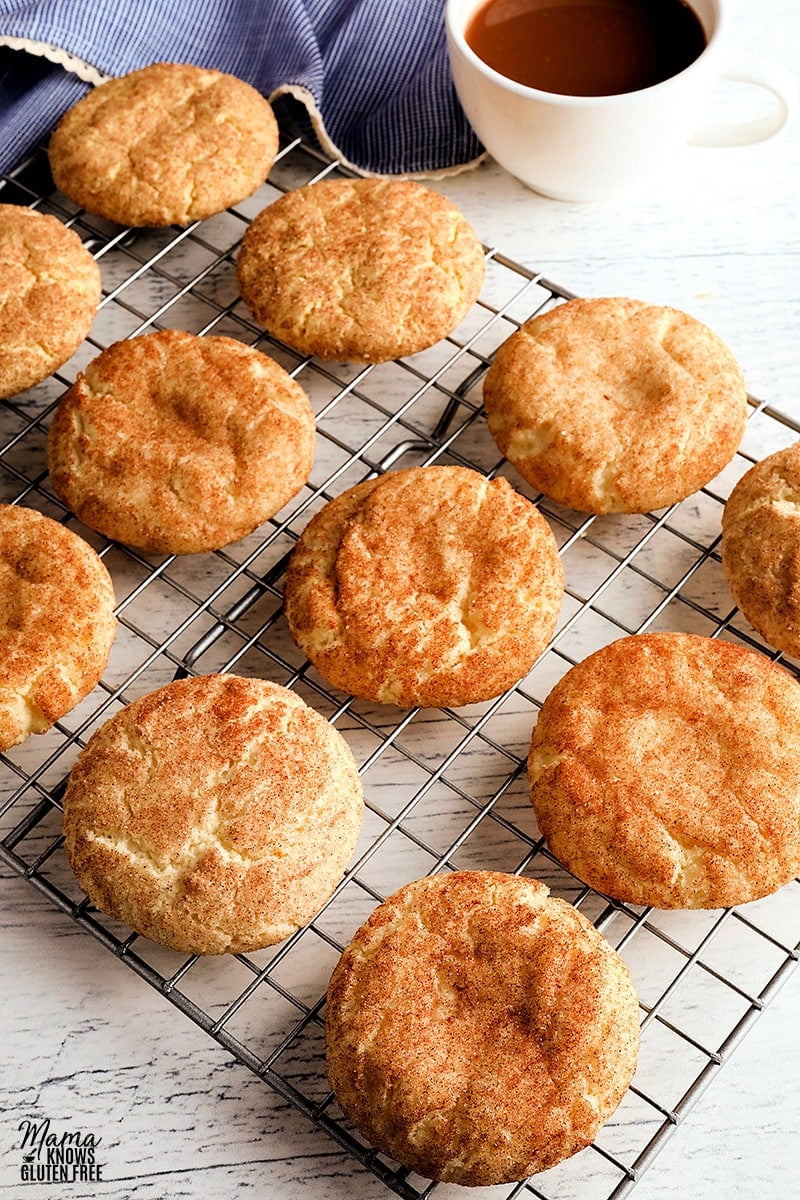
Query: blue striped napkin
{"points": [[372, 75]]}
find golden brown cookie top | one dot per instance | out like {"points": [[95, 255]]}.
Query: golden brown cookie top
{"points": [[432, 586], [214, 814], [761, 547], [56, 621], [364, 270], [175, 443], [665, 770], [615, 405], [479, 1030], [167, 144], [49, 293]]}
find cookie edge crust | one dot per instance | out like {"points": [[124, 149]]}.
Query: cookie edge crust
{"points": [[343, 663], [48, 699], [615, 878], [347, 1061], [171, 930], [583, 493], [102, 203]]}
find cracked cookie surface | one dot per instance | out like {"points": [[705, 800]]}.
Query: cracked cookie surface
{"points": [[175, 443], [432, 586], [614, 405], [761, 547], [49, 292], [479, 1030], [216, 814], [665, 770], [57, 622], [363, 270], [167, 144]]}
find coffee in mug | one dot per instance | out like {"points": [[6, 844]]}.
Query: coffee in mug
{"points": [[574, 145], [586, 47]]}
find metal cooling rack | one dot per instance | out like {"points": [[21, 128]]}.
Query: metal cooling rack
{"points": [[444, 789]]}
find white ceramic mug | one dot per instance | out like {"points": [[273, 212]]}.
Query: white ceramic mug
{"points": [[589, 147]]}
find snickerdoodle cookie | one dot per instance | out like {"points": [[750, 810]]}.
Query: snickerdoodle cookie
{"points": [[167, 144], [176, 444], [432, 586], [215, 814], [57, 622], [364, 270], [479, 1030], [665, 770], [761, 547], [614, 405], [49, 292]]}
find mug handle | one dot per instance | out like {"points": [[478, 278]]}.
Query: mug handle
{"points": [[772, 77]]}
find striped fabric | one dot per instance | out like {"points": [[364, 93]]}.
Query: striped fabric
{"points": [[373, 73]]}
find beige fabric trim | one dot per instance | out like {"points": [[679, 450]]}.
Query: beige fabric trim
{"points": [[71, 62], [88, 73], [309, 102]]}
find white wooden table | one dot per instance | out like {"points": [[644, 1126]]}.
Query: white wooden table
{"points": [[88, 1043]]}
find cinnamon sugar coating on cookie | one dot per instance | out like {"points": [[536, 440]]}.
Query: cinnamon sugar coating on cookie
{"points": [[432, 586], [57, 622], [167, 144], [761, 547], [479, 1030], [665, 770], [214, 815], [614, 405], [364, 270], [49, 292], [174, 443]]}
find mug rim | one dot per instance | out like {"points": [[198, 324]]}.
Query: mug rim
{"points": [[455, 33]]}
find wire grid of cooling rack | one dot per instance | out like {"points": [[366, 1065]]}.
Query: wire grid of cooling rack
{"points": [[444, 789]]}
